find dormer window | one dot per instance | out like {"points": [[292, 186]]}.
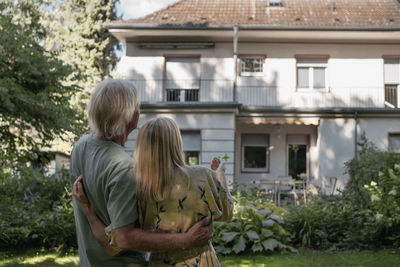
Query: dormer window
{"points": [[277, 3]]}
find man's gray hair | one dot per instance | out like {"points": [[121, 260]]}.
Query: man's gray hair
{"points": [[111, 107]]}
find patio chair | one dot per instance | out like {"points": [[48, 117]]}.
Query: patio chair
{"points": [[270, 187], [287, 187]]}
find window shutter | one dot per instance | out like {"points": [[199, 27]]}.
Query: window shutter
{"points": [[392, 71], [298, 139], [191, 140], [255, 140]]}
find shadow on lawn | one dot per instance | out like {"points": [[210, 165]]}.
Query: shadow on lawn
{"points": [[45, 263]]}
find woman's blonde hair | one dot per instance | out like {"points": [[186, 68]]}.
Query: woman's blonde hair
{"points": [[158, 152], [111, 107]]}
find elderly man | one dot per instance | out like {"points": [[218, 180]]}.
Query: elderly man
{"points": [[109, 184]]}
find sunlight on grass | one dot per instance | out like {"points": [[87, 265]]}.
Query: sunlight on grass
{"points": [[34, 258], [306, 258], [310, 258]]}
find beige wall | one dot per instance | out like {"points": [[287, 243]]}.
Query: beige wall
{"points": [[378, 129], [216, 131], [355, 72], [278, 150], [336, 142], [335, 147]]}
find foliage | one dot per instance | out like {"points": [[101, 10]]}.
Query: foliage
{"points": [[256, 226], [365, 169], [78, 34], [33, 94], [365, 215], [36, 210], [331, 223], [385, 201]]}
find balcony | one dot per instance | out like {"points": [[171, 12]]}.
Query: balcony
{"points": [[220, 91]]}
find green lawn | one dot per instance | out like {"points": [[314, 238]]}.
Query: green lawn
{"points": [[309, 258]]}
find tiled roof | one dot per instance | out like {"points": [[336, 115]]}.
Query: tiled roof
{"points": [[302, 13]]}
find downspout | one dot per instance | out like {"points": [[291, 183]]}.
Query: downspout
{"points": [[355, 135], [235, 71]]}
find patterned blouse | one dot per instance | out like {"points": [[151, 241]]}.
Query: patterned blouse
{"points": [[196, 194]]}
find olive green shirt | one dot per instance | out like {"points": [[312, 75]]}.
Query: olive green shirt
{"points": [[108, 180]]}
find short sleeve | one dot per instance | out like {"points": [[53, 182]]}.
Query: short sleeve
{"points": [[221, 206], [121, 201]]}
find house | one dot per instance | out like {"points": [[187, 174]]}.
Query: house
{"points": [[51, 162], [284, 87]]}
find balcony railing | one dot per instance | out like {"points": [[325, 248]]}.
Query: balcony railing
{"points": [[217, 91], [182, 95]]}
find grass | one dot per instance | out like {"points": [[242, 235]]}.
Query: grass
{"points": [[42, 258], [313, 258], [309, 258]]}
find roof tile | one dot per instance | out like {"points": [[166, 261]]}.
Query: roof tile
{"points": [[293, 13]]}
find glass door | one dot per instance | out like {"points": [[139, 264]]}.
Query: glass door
{"points": [[298, 156]]}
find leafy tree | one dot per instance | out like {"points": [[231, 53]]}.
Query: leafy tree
{"points": [[34, 97], [78, 33]]}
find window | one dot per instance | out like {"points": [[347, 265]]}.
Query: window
{"points": [[191, 147], [311, 73], [182, 81], [275, 3], [392, 81], [255, 152], [252, 65], [394, 142]]}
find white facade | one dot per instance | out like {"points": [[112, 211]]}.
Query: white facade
{"points": [[216, 130], [323, 122]]}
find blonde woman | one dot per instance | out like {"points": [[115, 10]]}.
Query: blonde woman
{"points": [[173, 196]]}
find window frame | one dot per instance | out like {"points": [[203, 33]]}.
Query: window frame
{"points": [[242, 159], [249, 73], [311, 67], [275, 3], [388, 140], [181, 91], [198, 151]]}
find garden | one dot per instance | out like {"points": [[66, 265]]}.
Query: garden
{"points": [[47, 66], [359, 226]]}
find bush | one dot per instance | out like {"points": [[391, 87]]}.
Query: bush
{"points": [[332, 223], [365, 215], [255, 227], [36, 210], [384, 195], [365, 169]]}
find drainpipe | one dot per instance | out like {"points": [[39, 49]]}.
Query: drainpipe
{"points": [[355, 135], [235, 71]]}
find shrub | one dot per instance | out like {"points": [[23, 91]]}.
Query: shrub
{"points": [[316, 224], [255, 227], [36, 210], [365, 215], [364, 170], [384, 195]]}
